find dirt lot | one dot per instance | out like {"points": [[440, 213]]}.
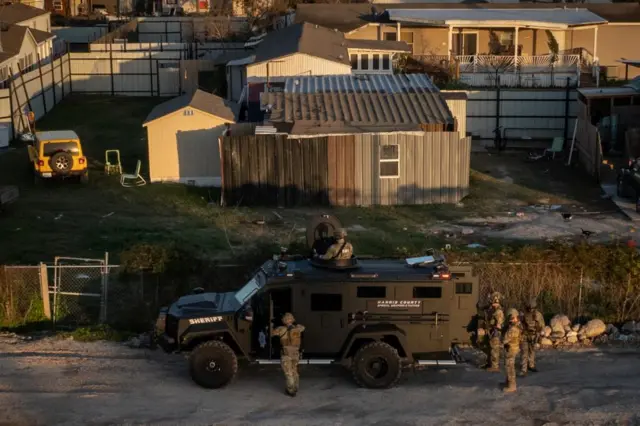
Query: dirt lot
{"points": [[62, 382]]}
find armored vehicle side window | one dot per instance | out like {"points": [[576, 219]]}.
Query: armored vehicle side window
{"points": [[326, 302], [464, 288], [427, 292], [377, 292]]}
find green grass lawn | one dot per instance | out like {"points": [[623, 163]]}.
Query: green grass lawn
{"points": [[70, 219]]}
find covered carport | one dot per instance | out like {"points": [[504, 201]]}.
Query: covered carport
{"points": [[629, 63]]}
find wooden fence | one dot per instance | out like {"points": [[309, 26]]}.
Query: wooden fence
{"points": [[588, 143], [417, 168]]}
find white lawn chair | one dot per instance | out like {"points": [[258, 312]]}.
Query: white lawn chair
{"points": [[135, 179]]}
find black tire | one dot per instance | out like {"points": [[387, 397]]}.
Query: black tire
{"points": [[377, 365], [319, 224], [213, 364], [61, 163]]}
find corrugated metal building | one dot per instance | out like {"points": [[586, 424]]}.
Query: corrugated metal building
{"points": [[316, 105], [346, 170]]}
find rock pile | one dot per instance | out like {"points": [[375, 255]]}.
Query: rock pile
{"points": [[560, 332]]}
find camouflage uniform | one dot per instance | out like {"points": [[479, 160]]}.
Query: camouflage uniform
{"points": [[290, 338], [511, 348], [340, 249], [495, 318], [480, 337], [532, 325]]}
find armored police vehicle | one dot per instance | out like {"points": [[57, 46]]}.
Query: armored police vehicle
{"points": [[373, 316]]}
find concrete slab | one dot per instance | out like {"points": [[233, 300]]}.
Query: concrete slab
{"points": [[626, 205]]}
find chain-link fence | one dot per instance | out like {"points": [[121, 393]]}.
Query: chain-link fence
{"points": [[83, 294], [20, 296]]}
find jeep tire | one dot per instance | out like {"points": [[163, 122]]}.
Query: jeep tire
{"points": [[377, 365], [61, 163], [213, 364]]}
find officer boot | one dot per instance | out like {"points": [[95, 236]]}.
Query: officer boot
{"points": [[510, 388], [533, 369]]}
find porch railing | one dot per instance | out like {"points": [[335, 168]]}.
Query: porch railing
{"points": [[503, 63]]}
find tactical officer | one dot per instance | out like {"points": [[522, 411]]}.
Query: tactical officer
{"points": [[511, 348], [532, 325], [495, 319], [290, 338], [341, 249], [479, 336]]}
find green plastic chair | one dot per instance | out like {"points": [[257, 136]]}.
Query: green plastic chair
{"points": [[112, 165], [134, 179], [556, 147]]}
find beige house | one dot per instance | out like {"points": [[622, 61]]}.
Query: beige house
{"points": [[482, 36], [183, 134]]}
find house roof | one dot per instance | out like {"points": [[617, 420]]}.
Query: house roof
{"points": [[350, 17], [557, 18], [12, 38], [306, 38], [316, 128], [200, 100], [386, 45], [40, 36], [19, 12], [340, 103]]}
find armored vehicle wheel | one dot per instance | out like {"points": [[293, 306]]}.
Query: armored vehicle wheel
{"points": [[321, 226], [377, 366], [213, 364]]}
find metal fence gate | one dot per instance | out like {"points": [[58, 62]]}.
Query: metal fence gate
{"points": [[79, 291]]}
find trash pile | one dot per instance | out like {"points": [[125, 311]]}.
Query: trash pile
{"points": [[560, 332]]}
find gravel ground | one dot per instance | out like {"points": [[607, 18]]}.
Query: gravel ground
{"points": [[63, 382]]}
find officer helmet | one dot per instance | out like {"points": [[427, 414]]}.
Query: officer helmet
{"points": [[340, 233], [512, 313], [531, 303], [495, 297], [288, 318]]}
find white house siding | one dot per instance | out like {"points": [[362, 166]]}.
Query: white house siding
{"points": [[296, 64]]}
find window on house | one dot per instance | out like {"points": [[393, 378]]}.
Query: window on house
{"points": [[326, 302], [188, 112], [427, 292], [391, 36], [354, 62], [506, 38], [389, 161], [372, 292], [364, 61], [375, 59], [386, 62], [464, 288], [407, 37], [57, 5]]}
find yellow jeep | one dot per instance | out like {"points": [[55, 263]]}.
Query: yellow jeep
{"points": [[58, 154]]}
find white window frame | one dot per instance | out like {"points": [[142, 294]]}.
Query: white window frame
{"points": [[387, 160], [370, 69], [188, 112], [477, 33], [57, 5]]}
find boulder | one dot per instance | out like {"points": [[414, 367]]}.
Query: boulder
{"points": [[567, 328], [631, 327], [547, 331], [572, 334], [546, 342], [572, 339], [576, 327], [611, 329], [593, 328], [557, 335], [559, 322]]}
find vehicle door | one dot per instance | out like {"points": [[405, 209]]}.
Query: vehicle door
{"points": [[431, 302], [320, 309]]}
